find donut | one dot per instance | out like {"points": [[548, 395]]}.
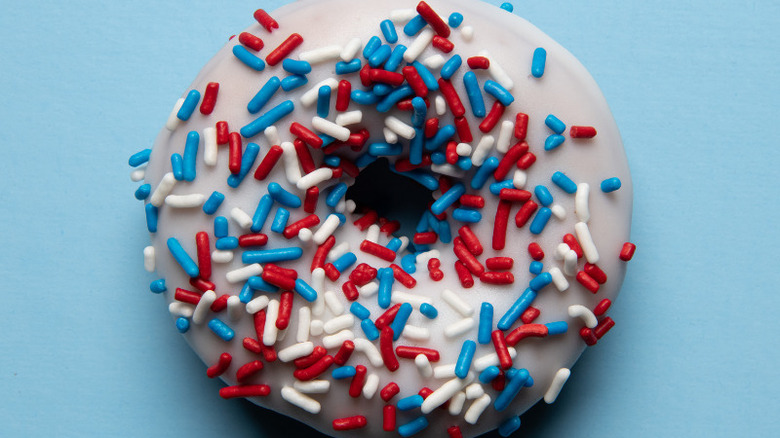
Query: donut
{"points": [[389, 217]]}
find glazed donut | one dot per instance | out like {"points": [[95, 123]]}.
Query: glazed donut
{"points": [[397, 217]]}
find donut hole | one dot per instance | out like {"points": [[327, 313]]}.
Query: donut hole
{"points": [[392, 196]]}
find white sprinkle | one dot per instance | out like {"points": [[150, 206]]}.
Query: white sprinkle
{"points": [[270, 332], [415, 333], [305, 235], [396, 125], [341, 207], [351, 49], [149, 259], [405, 297], [505, 136], [497, 72], [423, 365], [338, 251], [203, 307], [309, 98], [173, 119], [333, 303], [587, 316], [581, 202], [138, 174], [423, 258], [570, 263], [444, 371], [295, 351], [459, 328], [221, 256], [321, 54], [404, 243], [417, 46], [370, 386], [402, 16], [456, 403], [490, 359], [281, 335], [316, 327], [368, 348], [290, 159], [177, 308], [333, 341], [444, 393], [185, 201], [390, 136], [368, 290], [243, 273], [314, 177], [304, 323], [440, 105], [519, 179], [586, 242], [234, 308], [329, 128], [351, 206], [456, 303], [560, 251], [474, 391], [561, 376], [327, 228], [464, 149], [349, 118], [482, 150], [272, 135], [294, 397], [434, 62], [312, 386], [210, 146], [372, 234], [476, 409], [241, 217], [257, 304], [339, 323], [318, 284], [449, 170], [467, 32], [558, 211], [163, 189], [558, 279]]}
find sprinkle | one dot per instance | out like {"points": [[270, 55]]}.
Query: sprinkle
{"points": [[189, 105], [238, 391], [293, 396], [268, 119], [627, 251], [457, 303], [476, 409], [464, 358], [221, 329], [610, 185], [509, 426], [250, 60], [538, 63], [500, 93], [582, 132], [553, 141], [173, 121], [560, 378], [540, 220], [459, 328], [312, 386], [586, 242], [417, 46], [370, 386]]}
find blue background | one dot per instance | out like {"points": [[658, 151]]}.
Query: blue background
{"points": [[86, 350]]}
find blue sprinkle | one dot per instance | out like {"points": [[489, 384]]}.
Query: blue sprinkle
{"points": [[381, 89], [294, 81], [409, 403], [448, 198], [429, 311], [182, 324], [296, 67], [496, 187], [386, 281], [413, 427], [343, 68], [369, 329], [553, 141], [538, 63], [610, 185], [464, 163], [474, 94], [564, 182], [540, 220], [280, 220], [385, 149], [489, 374], [444, 231], [359, 310], [268, 119], [257, 283], [364, 160], [468, 215], [247, 161], [420, 112], [540, 281], [388, 31], [226, 243], [246, 293], [143, 192], [394, 244], [426, 76], [379, 56], [557, 328], [335, 195], [182, 258], [501, 94], [513, 387], [364, 97], [177, 166], [189, 105], [455, 20], [535, 267], [305, 290], [158, 286], [331, 160], [422, 224], [139, 158], [509, 426], [433, 223], [190, 155], [248, 58], [408, 263], [396, 58], [345, 261], [451, 67], [371, 46], [438, 158], [151, 218], [344, 372], [212, 204], [272, 255], [282, 196], [484, 172], [221, 329], [555, 124], [517, 309], [393, 98], [323, 101], [264, 95], [543, 195], [399, 322], [220, 226], [485, 328], [507, 7], [415, 25], [465, 357]]}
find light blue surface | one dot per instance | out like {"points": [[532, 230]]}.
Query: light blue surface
{"points": [[87, 350]]}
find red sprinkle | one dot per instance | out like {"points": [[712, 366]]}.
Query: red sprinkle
{"points": [[466, 280], [377, 250], [220, 367], [627, 252], [366, 220], [468, 259], [492, 118], [409, 352], [499, 342], [510, 158], [521, 126], [268, 163], [362, 274], [253, 345], [478, 63], [248, 370], [310, 200], [284, 49], [499, 263], [497, 277], [603, 327], [454, 432], [425, 238], [570, 240], [278, 279], [388, 418], [452, 98], [525, 213], [304, 362], [526, 161], [350, 423], [535, 251], [582, 132], [385, 77], [201, 284], [386, 318], [390, 227], [237, 391], [292, 230], [358, 380], [500, 224], [223, 131], [433, 19], [602, 307], [204, 254], [220, 303], [470, 240], [402, 276], [442, 44], [525, 331], [209, 98], [285, 309], [499, 382], [586, 280], [235, 150], [587, 335], [530, 314], [318, 260], [314, 370], [186, 296], [306, 135], [344, 353], [265, 20], [331, 272], [434, 272], [251, 41], [248, 240], [415, 81], [389, 391], [304, 155], [463, 129], [595, 272], [386, 349], [343, 95], [350, 291], [472, 201]]}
